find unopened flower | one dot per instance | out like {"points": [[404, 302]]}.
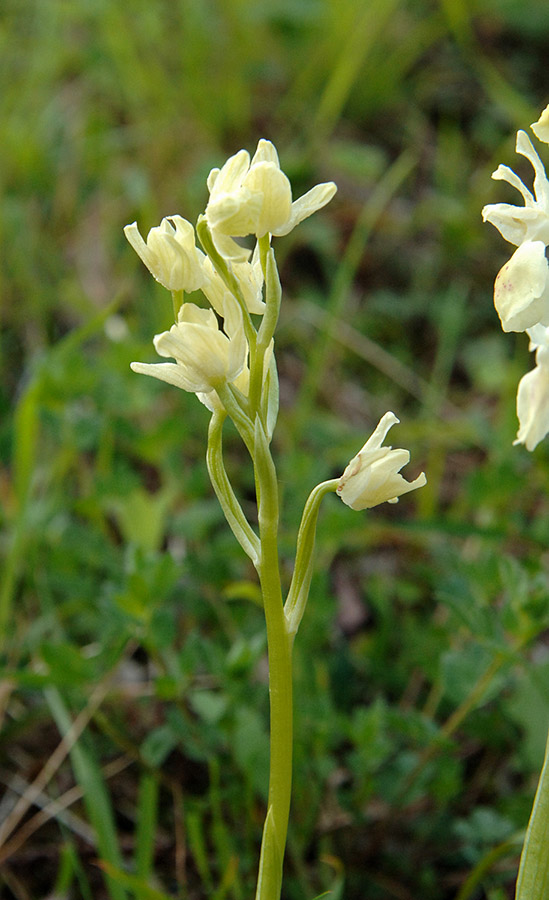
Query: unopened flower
{"points": [[373, 475], [256, 198], [205, 356], [531, 221], [170, 253], [533, 393], [521, 290]]}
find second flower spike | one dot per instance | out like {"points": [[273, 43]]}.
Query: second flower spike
{"points": [[373, 475]]}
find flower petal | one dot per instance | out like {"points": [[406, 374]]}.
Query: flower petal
{"points": [[541, 185], [520, 295], [533, 407], [306, 205], [171, 373], [266, 152]]}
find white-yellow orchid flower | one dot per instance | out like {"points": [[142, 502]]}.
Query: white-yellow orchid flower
{"points": [[533, 393], [170, 253], [521, 290], [250, 280], [372, 476], [255, 197], [206, 357], [541, 127]]}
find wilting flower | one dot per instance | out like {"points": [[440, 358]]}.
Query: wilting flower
{"points": [[533, 393], [170, 253], [372, 476], [205, 356], [531, 221], [256, 198], [521, 291]]}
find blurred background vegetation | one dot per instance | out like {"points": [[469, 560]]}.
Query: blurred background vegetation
{"points": [[133, 699]]}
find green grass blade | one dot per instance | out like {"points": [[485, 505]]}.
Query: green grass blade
{"points": [[96, 797], [135, 885], [147, 816], [533, 878]]}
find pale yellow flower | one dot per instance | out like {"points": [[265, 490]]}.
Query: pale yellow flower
{"points": [[521, 290], [255, 197], [533, 393], [372, 476], [205, 356], [170, 253]]}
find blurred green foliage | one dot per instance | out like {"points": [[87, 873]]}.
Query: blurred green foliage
{"points": [[421, 667]]}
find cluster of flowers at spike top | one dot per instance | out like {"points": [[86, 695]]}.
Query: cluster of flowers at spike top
{"points": [[521, 290], [247, 197]]}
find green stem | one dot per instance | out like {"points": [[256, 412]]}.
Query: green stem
{"points": [[230, 400], [533, 877], [273, 295], [303, 570], [236, 519], [224, 270], [279, 644], [178, 299]]}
